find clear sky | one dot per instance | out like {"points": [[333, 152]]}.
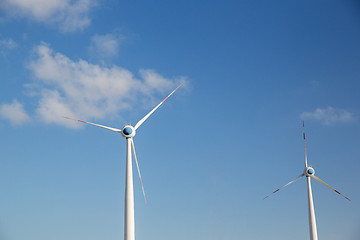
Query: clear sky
{"points": [[251, 72]]}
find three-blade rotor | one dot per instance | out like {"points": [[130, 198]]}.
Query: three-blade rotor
{"points": [[307, 173], [129, 132], [313, 177]]}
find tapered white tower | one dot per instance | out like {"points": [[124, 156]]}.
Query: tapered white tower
{"points": [[129, 132], [129, 219], [312, 220]]}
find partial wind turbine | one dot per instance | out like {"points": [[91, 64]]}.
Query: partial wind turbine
{"points": [[129, 132], [309, 172]]}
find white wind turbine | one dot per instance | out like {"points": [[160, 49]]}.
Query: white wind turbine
{"points": [[309, 172], [128, 132]]}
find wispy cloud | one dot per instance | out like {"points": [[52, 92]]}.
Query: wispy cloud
{"points": [[105, 46], [69, 15], [80, 89], [329, 115], [7, 45], [14, 112]]}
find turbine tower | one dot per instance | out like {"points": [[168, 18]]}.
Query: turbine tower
{"points": [[129, 132], [309, 172]]}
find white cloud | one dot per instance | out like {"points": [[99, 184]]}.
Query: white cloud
{"points": [[154, 80], [70, 15], [329, 115], [105, 46], [8, 44], [83, 90], [14, 112]]}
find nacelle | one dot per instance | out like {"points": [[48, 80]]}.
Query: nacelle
{"points": [[128, 131], [309, 171]]}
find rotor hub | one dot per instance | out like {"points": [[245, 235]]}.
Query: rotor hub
{"points": [[309, 171], [128, 131]]}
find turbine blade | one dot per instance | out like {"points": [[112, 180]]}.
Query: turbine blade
{"points": [[304, 146], [284, 185], [98, 125], [148, 115], [137, 165], [319, 180]]}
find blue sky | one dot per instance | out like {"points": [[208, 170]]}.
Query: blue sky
{"points": [[251, 72]]}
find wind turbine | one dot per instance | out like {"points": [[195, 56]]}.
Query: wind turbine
{"points": [[309, 172], [129, 132]]}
